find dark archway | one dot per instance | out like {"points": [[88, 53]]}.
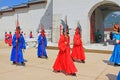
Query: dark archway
{"points": [[97, 20]]}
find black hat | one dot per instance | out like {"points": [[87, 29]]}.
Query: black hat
{"points": [[65, 26], [79, 26]]}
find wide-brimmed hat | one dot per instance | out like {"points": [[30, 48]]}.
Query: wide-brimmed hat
{"points": [[65, 26], [116, 27]]}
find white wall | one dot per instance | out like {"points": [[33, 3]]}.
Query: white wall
{"points": [[7, 23], [75, 10], [78, 10], [29, 19]]}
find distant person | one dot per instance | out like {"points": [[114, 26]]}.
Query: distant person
{"points": [[18, 44], [30, 35], [111, 36], [115, 57], [6, 38], [24, 35], [38, 33], [42, 44], [10, 39], [98, 36]]}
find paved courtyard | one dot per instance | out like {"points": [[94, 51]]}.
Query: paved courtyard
{"points": [[96, 67]]}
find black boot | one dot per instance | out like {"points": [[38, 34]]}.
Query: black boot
{"points": [[73, 74], [56, 71], [22, 63], [39, 57], [14, 62], [115, 64], [46, 57], [83, 61]]}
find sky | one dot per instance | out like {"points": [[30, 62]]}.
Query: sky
{"points": [[111, 19], [10, 3]]}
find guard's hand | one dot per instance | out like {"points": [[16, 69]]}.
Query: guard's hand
{"points": [[65, 42], [23, 50], [117, 41]]}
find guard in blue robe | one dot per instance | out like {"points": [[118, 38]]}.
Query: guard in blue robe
{"points": [[16, 53], [118, 77], [42, 44], [115, 57]]}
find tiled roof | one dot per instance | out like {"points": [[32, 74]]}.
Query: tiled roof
{"points": [[22, 5], [33, 1]]}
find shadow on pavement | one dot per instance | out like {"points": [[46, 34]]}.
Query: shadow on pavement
{"points": [[111, 76], [25, 60], [108, 63]]}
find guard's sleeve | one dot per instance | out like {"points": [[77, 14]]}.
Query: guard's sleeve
{"points": [[61, 43], [14, 41]]}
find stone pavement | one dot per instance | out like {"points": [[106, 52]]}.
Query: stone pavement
{"points": [[97, 67]]}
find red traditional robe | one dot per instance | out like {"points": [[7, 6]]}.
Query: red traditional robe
{"points": [[30, 35], [6, 38], [64, 61], [78, 50], [10, 39]]}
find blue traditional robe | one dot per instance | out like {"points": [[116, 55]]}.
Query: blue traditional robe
{"points": [[16, 53], [42, 44], [118, 77], [115, 58]]}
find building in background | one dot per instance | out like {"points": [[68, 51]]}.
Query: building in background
{"points": [[90, 14], [30, 16]]}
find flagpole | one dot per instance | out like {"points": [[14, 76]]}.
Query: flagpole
{"points": [[17, 34], [60, 30]]}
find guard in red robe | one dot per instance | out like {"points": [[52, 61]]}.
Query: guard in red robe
{"points": [[10, 39], [6, 37], [64, 62], [78, 50], [30, 35]]}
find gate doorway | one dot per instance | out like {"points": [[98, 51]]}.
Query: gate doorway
{"points": [[98, 14]]}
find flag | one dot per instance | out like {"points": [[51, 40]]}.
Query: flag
{"points": [[66, 22], [79, 26], [17, 28], [63, 24], [17, 36], [17, 22], [65, 19], [41, 26]]}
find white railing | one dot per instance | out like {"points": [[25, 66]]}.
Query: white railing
{"points": [[31, 42]]}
